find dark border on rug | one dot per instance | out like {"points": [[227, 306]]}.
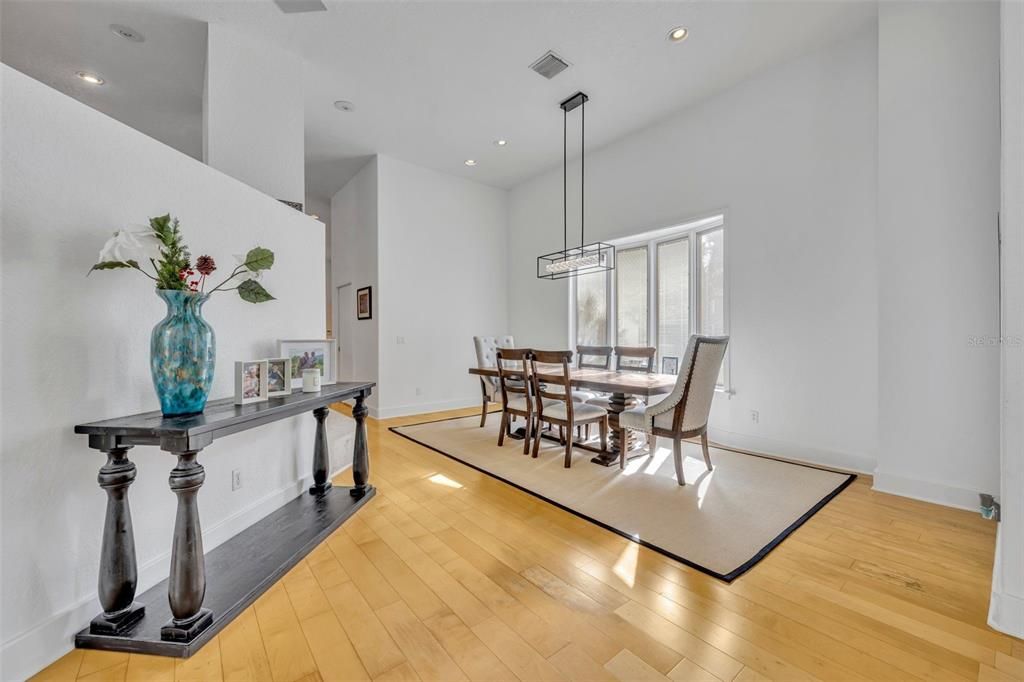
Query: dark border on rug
{"points": [[726, 577]]}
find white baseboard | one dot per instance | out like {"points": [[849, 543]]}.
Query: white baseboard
{"points": [[926, 491], [1006, 614], [421, 408], [792, 451], [27, 653]]}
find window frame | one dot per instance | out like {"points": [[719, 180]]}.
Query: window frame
{"points": [[691, 231]]}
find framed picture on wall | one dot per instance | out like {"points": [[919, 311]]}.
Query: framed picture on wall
{"points": [[309, 354], [669, 365], [364, 303]]}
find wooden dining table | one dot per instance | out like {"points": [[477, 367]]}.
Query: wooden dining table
{"points": [[624, 388]]}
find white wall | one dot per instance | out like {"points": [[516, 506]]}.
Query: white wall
{"points": [[76, 349], [354, 240], [432, 246], [442, 273], [938, 198], [1007, 606], [253, 114], [791, 157]]}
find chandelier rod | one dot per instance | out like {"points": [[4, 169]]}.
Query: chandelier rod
{"points": [[565, 180]]}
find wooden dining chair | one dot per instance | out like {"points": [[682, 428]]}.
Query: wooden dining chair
{"points": [[557, 406], [684, 412], [594, 357], [635, 358], [517, 398]]}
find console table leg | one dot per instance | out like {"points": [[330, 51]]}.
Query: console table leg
{"points": [[118, 569], [186, 586], [321, 454], [360, 455]]}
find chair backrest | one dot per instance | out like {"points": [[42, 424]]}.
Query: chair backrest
{"points": [[695, 387], [635, 358], [514, 374], [550, 368], [594, 357], [486, 347]]}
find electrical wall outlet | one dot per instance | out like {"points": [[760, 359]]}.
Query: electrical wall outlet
{"points": [[400, 340], [419, 391], [755, 417], [236, 479]]}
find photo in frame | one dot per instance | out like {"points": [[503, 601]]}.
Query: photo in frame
{"points": [[279, 377], [251, 381], [309, 354], [364, 303], [670, 365]]}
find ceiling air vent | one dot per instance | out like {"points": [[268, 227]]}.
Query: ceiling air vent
{"points": [[296, 6], [550, 65]]}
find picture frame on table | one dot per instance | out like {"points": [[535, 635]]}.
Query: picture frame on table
{"points": [[251, 381], [310, 354], [670, 365], [279, 377], [364, 303]]}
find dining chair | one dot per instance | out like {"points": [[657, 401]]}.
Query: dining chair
{"points": [[486, 349], [550, 370], [684, 412], [635, 358], [594, 357], [629, 359], [517, 398]]}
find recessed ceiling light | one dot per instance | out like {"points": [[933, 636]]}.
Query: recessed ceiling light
{"points": [[89, 78], [128, 33], [470, 162], [314, 216], [344, 105], [500, 143], [678, 34]]}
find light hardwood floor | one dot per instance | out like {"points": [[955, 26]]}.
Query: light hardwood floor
{"points": [[450, 575]]}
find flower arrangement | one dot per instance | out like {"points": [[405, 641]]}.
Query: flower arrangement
{"points": [[162, 246]]}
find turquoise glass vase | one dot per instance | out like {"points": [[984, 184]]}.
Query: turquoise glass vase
{"points": [[183, 350]]}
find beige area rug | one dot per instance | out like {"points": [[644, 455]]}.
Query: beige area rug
{"points": [[722, 522]]}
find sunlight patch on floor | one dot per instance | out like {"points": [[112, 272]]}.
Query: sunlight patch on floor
{"points": [[625, 566], [441, 479]]}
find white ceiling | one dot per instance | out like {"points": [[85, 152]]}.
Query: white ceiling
{"points": [[434, 83]]}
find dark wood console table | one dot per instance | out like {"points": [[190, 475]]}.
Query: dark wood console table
{"points": [[180, 615]]}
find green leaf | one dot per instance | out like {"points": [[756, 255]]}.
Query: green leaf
{"points": [[259, 259], [162, 226], [114, 265], [252, 291]]}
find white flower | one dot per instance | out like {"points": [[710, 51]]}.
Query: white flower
{"points": [[132, 243]]}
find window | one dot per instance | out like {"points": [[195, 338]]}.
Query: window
{"points": [[631, 296], [673, 297], [592, 309], [666, 285]]}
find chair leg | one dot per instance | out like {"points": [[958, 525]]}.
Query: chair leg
{"points": [[561, 434], [704, 447], [623, 448], [586, 432], [483, 414], [501, 430], [652, 443], [536, 439], [568, 449], [526, 438], [677, 457]]}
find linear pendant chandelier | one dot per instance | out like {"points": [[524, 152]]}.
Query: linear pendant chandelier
{"points": [[578, 260]]}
